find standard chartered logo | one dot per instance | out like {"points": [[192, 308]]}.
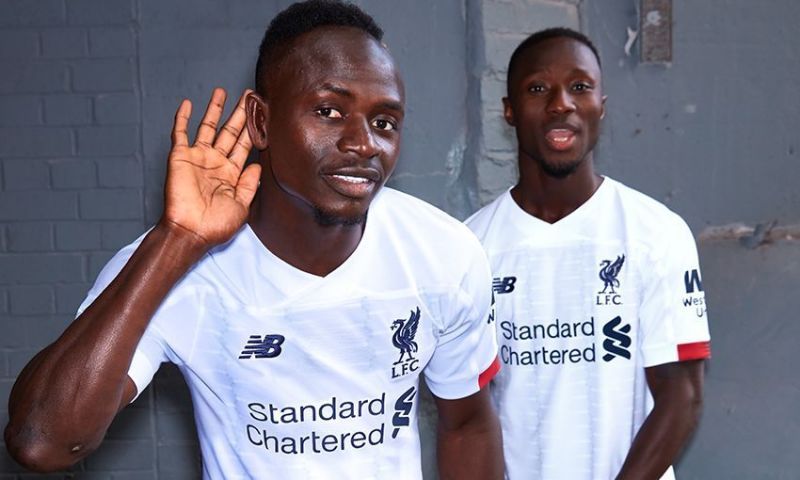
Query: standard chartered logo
{"points": [[561, 343], [277, 429], [617, 339], [402, 410]]}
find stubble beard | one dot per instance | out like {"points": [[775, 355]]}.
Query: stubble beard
{"points": [[325, 218], [563, 169], [559, 170]]}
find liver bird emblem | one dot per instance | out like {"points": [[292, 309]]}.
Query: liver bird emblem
{"points": [[609, 272], [404, 332]]}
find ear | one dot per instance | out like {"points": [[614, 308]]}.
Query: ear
{"points": [[257, 112], [603, 106], [508, 112]]}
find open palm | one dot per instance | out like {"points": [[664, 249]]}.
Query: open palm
{"points": [[207, 192]]}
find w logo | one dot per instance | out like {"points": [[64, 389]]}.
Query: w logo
{"points": [[617, 341], [267, 347], [692, 282]]}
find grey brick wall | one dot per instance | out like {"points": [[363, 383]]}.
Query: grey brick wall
{"points": [[71, 188], [88, 91]]}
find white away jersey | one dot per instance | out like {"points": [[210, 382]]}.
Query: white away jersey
{"points": [[583, 306], [295, 376]]}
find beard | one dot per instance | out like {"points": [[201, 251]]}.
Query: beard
{"points": [[561, 169], [325, 218]]}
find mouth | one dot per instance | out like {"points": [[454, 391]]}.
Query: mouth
{"points": [[560, 139], [356, 183]]}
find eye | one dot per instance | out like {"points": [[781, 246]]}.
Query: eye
{"points": [[536, 88], [328, 112], [384, 124], [582, 87]]}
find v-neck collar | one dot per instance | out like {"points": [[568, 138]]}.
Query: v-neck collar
{"points": [[292, 280], [521, 217]]}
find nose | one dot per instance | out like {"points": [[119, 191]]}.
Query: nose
{"points": [[357, 137], [560, 102]]}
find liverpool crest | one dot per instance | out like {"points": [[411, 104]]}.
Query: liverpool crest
{"points": [[609, 270], [405, 329]]}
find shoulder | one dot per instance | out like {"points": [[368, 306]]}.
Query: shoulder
{"points": [[481, 221], [417, 216], [421, 234], [651, 224], [649, 216]]}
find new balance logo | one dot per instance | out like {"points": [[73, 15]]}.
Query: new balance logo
{"points": [[402, 410], [503, 285], [617, 341], [692, 282], [267, 347]]}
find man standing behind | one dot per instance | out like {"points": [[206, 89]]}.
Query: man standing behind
{"points": [[601, 315], [302, 322]]}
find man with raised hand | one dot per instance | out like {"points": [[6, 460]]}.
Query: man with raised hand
{"points": [[300, 300], [601, 315]]}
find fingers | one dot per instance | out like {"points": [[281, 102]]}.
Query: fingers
{"points": [[248, 184], [180, 136], [229, 135], [208, 125], [241, 148]]}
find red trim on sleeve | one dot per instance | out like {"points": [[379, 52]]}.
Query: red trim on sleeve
{"points": [[488, 374], [694, 351]]}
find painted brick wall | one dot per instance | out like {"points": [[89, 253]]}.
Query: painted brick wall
{"points": [[88, 91], [71, 188]]}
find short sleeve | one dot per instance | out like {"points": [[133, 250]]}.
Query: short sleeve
{"points": [[673, 320], [150, 352], [465, 359]]}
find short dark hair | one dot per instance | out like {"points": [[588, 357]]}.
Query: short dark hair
{"points": [[302, 17], [542, 35]]}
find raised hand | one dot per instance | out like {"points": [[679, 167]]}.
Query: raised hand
{"points": [[207, 193]]}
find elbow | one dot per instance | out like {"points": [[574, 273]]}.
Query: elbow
{"points": [[35, 453]]}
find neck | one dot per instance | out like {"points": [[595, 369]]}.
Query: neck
{"points": [[288, 228], [551, 198]]}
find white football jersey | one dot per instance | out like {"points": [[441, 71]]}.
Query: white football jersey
{"points": [[584, 305], [295, 376]]}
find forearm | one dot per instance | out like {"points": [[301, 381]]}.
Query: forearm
{"points": [[473, 451], [65, 399], [675, 415]]}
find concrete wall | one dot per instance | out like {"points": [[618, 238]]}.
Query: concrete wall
{"points": [[714, 136], [87, 93]]}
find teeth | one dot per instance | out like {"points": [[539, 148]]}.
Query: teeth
{"points": [[349, 179]]}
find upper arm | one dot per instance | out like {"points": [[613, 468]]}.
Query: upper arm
{"points": [[469, 439], [674, 325], [677, 382], [465, 358], [458, 413]]}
